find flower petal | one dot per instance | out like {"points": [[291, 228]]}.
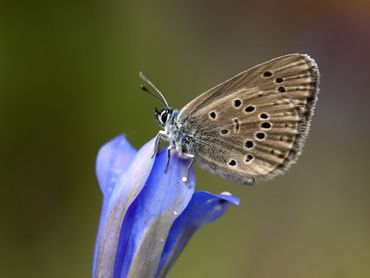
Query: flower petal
{"points": [[203, 208], [151, 216], [128, 186], [112, 160]]}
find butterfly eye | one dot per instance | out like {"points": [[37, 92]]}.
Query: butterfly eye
{"points": [[164, 117]]}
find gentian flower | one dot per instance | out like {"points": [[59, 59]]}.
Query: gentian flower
{"points": [[148, 216]]}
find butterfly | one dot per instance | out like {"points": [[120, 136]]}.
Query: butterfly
{"points": [[250, 127]]}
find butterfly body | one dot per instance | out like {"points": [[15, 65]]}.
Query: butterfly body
{"points": [[250, 127], [173, 132]]}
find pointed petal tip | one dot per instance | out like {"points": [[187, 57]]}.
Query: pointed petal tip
{"points": [[224, 197], [113, 158], [229, 198]]}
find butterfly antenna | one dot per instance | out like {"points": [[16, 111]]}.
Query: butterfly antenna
{"points": [[161, 96], [146, 90]]}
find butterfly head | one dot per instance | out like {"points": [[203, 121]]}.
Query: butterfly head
{"points": [[163, 116]]}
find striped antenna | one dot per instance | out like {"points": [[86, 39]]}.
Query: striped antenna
{"points": [[146, 80]]}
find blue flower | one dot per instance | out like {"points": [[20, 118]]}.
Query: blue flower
{"points": [[148, 216]]}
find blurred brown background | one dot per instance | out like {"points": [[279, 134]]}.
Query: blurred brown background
{"points": [[69, 83]]}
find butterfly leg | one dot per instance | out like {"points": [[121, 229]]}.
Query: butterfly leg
{"points": [[171, 147], [161, 134], [191, 158]]}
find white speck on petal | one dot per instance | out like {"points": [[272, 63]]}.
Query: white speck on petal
{"points": [[175, 212], [184, 179], [226, 193]]}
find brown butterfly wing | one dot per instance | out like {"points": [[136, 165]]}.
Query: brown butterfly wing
{"points": [[253, 125]]}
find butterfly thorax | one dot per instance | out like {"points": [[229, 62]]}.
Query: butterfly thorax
{"points": [[177, 138]]}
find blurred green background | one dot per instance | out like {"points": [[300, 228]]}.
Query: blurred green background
{"points": [[69, 83]]}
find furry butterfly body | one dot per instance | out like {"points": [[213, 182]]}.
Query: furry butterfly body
{"points": [[250, 127]]}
